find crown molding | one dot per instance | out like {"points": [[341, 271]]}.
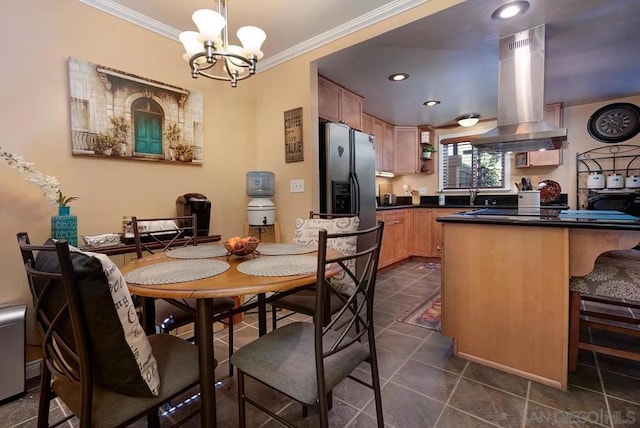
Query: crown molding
{"points": [[136, 18], [390, 9], [383, 12]]}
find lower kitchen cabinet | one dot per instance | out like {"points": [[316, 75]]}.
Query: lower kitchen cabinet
{"points": [[436, 229], [397, 241], [411, 232], [422, 232]]}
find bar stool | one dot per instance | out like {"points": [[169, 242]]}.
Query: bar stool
{"points": [[614, 281]]}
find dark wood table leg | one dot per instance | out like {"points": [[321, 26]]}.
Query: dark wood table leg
{"points": [[207, 366], [149, 315], [262, 314]]}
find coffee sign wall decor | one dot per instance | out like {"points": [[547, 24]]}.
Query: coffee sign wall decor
{"points": [[293, 135]]}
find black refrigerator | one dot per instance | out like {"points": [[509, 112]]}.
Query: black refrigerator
{"points": [[347, 173]]}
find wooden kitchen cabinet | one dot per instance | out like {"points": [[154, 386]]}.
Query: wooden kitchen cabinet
{"points": [[553, 114], [383, 133], [388, 152], [436, 229], [338, 104], [406, 150], [397, 241], [422, 232], [367, 124]]}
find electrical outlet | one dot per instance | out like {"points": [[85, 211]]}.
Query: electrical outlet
{"points": [[423, 191], [297, 186]]}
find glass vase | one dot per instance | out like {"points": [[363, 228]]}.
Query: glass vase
{"points": [[65, 226]]}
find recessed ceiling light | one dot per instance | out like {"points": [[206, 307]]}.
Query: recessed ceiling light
{"points": [[511, 9], [468, 119], [431, 103], [398, 77]]}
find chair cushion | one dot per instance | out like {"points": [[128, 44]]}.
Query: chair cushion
{"points": [[165, 309], [121, 353], [616, 274], [306, 232], [285, 360], [304, 301], [177, 365]]}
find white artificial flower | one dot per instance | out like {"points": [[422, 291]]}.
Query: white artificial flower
{"points": [[49, 185]]}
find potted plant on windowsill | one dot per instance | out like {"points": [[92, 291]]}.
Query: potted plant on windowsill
{"points": [[427, 149]]}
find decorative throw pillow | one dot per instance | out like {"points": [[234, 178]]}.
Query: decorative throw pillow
{"points": [[122, 356], [306, 232]]}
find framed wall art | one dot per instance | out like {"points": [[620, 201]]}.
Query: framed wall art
{"points": [[293, 151], [118, 114]]}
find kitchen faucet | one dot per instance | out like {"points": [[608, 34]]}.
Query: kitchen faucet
{"points": [[473, 193]]}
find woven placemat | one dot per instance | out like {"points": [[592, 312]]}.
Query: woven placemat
{"points": [[176, 271], [198, 252], [285, 249], [279, 266]]}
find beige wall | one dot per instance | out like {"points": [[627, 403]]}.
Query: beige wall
{"points": [[35, 124]]}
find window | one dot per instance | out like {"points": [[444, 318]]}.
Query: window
{"points": [[463, 166]]}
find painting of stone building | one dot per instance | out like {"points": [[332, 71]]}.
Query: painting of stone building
{"points": [[118, 114]]}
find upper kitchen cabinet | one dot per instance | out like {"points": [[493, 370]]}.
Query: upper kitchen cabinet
{"points": [[553, 115], [367, 124], [338, 104], [406, 150], [384, 135], [427, 149]]}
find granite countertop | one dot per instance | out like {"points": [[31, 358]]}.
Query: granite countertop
{"points": [[466, 207], [548, 217]]}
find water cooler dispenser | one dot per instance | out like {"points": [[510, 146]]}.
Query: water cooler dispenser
{"points": [[260, 188], [197, 203]]}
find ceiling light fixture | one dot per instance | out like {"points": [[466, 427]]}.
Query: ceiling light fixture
{"points": [[210, 47], [398, 77], [431, 103], [468, 119], [511, 9]]}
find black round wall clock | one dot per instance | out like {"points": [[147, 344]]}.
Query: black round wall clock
{"points": [[615, 123]]}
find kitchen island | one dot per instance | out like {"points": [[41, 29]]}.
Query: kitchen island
{"points": [[505, 283]]}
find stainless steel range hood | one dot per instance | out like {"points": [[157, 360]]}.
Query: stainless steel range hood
{"points": [[521, 97]]}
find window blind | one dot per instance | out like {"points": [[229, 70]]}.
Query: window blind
{"points": [[463, 167]]}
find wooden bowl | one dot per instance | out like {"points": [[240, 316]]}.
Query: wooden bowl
{"points": [[249, 248]]}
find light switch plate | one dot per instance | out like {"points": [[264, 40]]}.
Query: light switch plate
{"points": [[297, 186], [423, 191]]}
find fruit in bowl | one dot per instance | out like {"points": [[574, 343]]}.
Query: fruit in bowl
{"points": [[241, 246]]}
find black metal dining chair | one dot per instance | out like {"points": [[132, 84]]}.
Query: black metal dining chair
{"points": [[171, 314], [84, 362], [305, 361], [304, 301]]}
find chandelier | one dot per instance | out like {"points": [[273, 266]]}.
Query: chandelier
{"points": [[209, 53]]}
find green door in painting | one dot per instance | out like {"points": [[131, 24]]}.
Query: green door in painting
{"points": [[148, 118], [148, 133]]}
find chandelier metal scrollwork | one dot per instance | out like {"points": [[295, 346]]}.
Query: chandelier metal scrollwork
{"points": [[209, 53]]}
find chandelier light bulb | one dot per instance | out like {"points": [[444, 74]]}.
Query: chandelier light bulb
{"points": [[252, 39], [191, 44], [210, 23]]}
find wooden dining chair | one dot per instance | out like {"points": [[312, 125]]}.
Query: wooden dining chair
{"points": [[171, 314], [614, 283], [306, 232], [95, 356], [304, 360]]}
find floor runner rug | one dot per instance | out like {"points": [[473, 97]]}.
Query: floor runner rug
{"points": [[425, 314]]}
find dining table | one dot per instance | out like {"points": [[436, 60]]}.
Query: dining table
{"points": [[206, 272]]}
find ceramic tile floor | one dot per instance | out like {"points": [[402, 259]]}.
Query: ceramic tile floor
{"points": [[424, 385]]}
